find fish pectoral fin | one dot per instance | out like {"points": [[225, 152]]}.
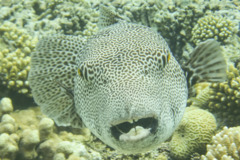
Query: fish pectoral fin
{"points": [[206, 63], [51, 78]]}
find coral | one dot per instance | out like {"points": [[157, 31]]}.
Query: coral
{"points": [[222, 99], [174, 20], [225, 145], [46, 126], [162, 153], [15, 57], [64, 146], [29, 140], [27, 119], [232, 50], [76, 17], [194, 132], [211, 26], [6, 106], [73, 149], [8, 124], [29, 135], [27, 19], [8, 146]]}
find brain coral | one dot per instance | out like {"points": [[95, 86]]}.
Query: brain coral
{"points": [[217, 27], [222, 99], [225, 145], [194, 132], [15, 57]]}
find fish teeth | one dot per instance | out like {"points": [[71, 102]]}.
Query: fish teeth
{"points": [[130, 121]]}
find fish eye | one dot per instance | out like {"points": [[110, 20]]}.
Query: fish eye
{"points": [[79, 72], [89, 72], [163, 59], [168, 57]]}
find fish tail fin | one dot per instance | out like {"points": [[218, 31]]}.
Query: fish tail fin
{"points": [[206, 63]]}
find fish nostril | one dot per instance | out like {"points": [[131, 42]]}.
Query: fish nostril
{"points": [[147, 123]]}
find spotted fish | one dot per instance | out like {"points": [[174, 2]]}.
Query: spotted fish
{"points": [[123, 83]]}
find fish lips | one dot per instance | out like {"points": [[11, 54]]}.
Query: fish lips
{"points": [[135, 129]]}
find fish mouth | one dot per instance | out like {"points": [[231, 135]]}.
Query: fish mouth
{"points": [[134, 129]]}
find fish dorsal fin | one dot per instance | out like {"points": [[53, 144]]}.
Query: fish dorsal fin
{"points": [[206, 63], [107, 16], [51, 77]]}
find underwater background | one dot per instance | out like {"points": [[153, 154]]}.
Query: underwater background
{"points": [[210, 128]]}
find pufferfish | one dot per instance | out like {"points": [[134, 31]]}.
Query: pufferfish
{"points": [[122, 83]]}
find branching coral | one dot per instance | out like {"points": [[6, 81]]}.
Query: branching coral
{"points": [[225, 145], [210, 26], [222, 99], [15, 57]]}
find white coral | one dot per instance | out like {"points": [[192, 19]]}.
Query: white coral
{"points": [[7, 124], [8, 146], [226, 145], [46, 126], [29, 140], [6, 105]]}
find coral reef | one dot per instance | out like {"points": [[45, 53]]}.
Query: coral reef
{"points": [[194, 132], [210, 26], [222, 99], [76, 17], [15, 57], [225, 145], [28, 134]]}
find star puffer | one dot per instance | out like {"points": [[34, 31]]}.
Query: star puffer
{"points": [[123, 83]]}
